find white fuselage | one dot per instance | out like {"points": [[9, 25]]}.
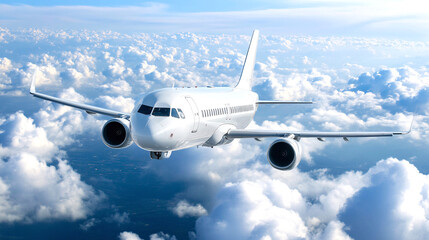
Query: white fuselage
{"points": [[208, 114]]}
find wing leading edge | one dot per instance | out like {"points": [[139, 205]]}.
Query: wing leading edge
{"points": [[282, 102], [247, 133], [88, 108]]}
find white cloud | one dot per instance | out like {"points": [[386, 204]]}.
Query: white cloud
{"points": [[183, 208], [296, 205], [396, 83], [62, 123], [120, 103], [119, 87], [146, 68], [128, 236], [72, 95], [401, 202], [298, 86], [47, 74], [81, 66], [119, 218], [334, 230], [245, 210], [155, 236], [36, 183], [328, 116], [88, 224], [5, 64], [4, 35], [22, 135], [161, 236]]}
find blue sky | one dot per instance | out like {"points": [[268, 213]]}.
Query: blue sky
{"points": [[182, 6], [364, 64], [388, 19]]}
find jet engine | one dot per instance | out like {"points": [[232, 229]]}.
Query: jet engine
{"points": [[284, 154], [116, 133]]}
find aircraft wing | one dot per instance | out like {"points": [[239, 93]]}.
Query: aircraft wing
{"points": [[88, 108], [282, 102], [248, 133]]}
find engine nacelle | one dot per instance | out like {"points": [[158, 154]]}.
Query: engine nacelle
{"points": [[284, 154], [116, 133]]}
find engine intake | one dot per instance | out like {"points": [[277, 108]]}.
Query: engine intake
{"points": [[116, 133], [284, 154]]}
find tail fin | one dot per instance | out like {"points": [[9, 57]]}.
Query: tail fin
{"points": [[249, 64]]}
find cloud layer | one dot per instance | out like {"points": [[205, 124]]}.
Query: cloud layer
{"points": [[37, 183], [231, 190], [389, 201]]}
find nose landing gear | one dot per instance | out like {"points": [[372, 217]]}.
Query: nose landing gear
{"points": [[160, 155]]}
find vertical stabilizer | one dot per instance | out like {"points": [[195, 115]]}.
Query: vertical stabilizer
{"points": [[249, 64]]}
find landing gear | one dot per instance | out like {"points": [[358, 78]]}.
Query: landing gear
{"points": [[160, 155]]}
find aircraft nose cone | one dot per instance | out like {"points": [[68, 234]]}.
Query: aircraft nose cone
{"points": [[152, 135]]}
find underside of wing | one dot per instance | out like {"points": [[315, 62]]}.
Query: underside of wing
{"points": [[88, 108]]}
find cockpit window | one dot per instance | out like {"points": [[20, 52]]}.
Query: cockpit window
{"points": [[181, 114], [146, 110], [161, 112], [174, 113]]}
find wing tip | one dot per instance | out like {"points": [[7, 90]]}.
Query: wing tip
{"points": [[409, 130], [33, 82]]}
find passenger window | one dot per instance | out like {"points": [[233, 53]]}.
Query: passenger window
{"points": [[174, 113], [146, 110], [161, 112], [181, 114]]}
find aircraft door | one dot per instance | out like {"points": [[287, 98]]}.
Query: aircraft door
{"points": [[195, 113]]}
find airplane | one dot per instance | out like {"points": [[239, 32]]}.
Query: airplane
{"points": [[171, 119]]}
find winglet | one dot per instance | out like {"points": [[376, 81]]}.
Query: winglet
{"points": [[411, 126], [409, 130], [249, 63], [33, 82]]}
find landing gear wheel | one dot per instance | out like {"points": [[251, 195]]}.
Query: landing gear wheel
{"points": [[160, 155]]}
